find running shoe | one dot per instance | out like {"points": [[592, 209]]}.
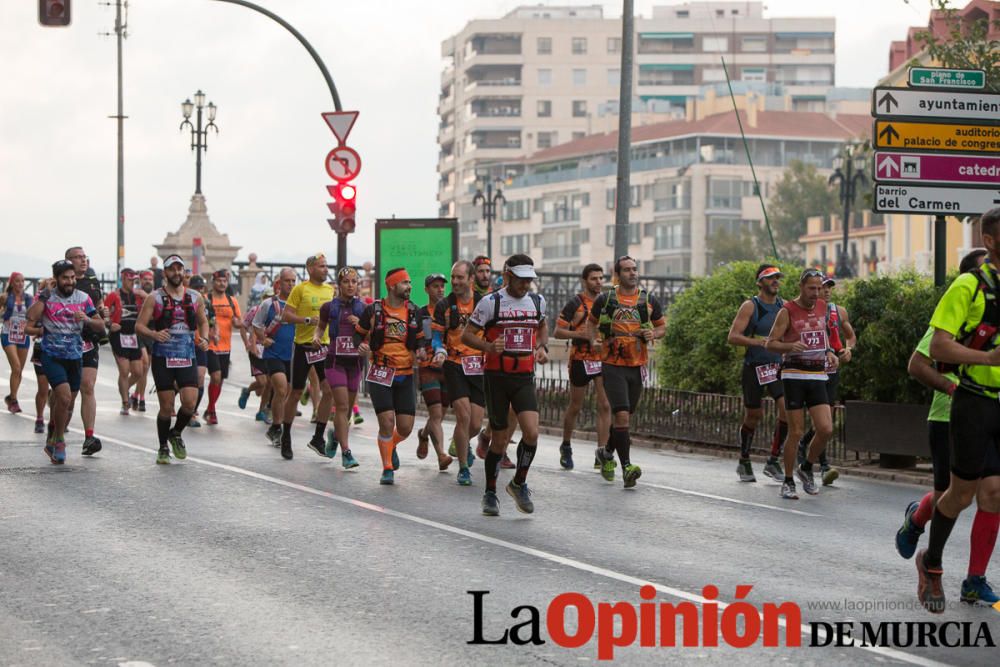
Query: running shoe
{"points": [[788, 490], [194, 423], [318, 445], [331, 444], [930, 592], [597, 463], [491, 506], [745, 470], [59, 455], [630, 474], [9, 402], [470, 458], [274, 435], [451, 448], [286, 451], [358, 419], [908, 534], [134, 402], [608, 464], [388, 477], [261, 416], [347, 459], [443, 462], [423, 442], [14, 406], [773, 470], [91, 446], [304, 398], [395, 459], [39, 426], [124, 411], [142, 405], [481, 447], [211, 418], [244, 397], [464, 477], [177, 444], [977, 591], [808, 483], [506, 463], [50, 451], [163, 456], [566, 456], [829, 475], [521, 495]]}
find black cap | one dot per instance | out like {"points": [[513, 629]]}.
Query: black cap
{"points": [[432, 277], [61, 267], [829, 281], [196, 282]]}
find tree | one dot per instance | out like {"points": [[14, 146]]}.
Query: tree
{"points": [[801, 193], [966, 46], [727, 247]]}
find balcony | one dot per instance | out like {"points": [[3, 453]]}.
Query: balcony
{"points": [[493, 44], [446, 134]]}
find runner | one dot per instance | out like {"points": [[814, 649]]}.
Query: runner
{"points": [[14, 304], [227, 316], [139, 399], [628, 320], [584, 362], [123, 308], [391, 331], [750, 328], [800, 333], [842, 341], [259, 384], [277, 338], [510, 327], [483, 275], [198, 284], [87, 283], [975, 589], [461, 365], [63, 313], [432, 378], [342, 368], [965, 334], [302, 310], [172, 316], [34, 328]]}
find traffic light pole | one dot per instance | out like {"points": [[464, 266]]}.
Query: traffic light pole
{"points": [[120, 220]]}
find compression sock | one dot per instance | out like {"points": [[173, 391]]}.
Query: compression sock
{"points": [[286, 433], [941, 526], [213, 395], [385, 451], [746, 441], [924, 511], [492, 467], [163, 429], [320, 429], [780, 433], [982, 540], [183, 418], [525, 455], [621, 443]]}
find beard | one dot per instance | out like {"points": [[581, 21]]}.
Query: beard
{"points": [[66, 290], [175, 281]]}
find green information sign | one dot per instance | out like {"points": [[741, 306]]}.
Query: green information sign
{"points": [[421, 246], [936, 77]]}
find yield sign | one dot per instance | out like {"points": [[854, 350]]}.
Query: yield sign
{"points": [[340, 123], [887, 166]]}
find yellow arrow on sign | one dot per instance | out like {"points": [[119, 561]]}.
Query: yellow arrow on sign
{"points": [[938, 137]]}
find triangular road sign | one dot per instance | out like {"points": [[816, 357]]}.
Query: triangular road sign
{"points": [[340, 123]]}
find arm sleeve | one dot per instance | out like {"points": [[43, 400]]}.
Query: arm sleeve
{"points": [[439, 315], [595, 310]]}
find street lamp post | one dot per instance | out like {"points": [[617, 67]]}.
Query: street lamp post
{"points": [[849, 168], [489, 200], [199, 135]]}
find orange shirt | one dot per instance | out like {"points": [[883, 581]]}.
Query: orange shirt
{"points": [[453, 334], [624, 347], [393, 352], [225, 315], [574, 318]]}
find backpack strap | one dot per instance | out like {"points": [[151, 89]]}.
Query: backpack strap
{"points": [[642, 305], [452, 311]]}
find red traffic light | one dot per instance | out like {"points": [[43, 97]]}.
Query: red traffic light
{"points": [[342, 207], [54, 12]]}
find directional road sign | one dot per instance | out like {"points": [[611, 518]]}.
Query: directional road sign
{"points": [[936, 136], [930, 200], [936, 77], [937, 168], [343, 164], [901, 102], [340, 123]]}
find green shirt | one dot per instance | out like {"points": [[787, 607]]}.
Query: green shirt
{"points": [[961, 310], [941, 403]]}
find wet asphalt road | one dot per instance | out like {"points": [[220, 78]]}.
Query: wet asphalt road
{"points": [[238, 557]]}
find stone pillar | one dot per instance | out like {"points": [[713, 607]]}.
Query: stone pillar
{"points": [[219, 253], [247, 278]]}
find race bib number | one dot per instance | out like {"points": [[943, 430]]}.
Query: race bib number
{"points": [[382, 375], [87, 346], [767, 374], [813, 340], [591, 367], [345, 346], [517, 339], [174, 362], [473, 365], [318, 355], [129, 341], [17, 335]]}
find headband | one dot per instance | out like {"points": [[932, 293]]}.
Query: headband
{"points": [[15, 274], [396, 278]]}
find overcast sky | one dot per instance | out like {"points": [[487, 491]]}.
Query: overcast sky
{"points": [[263, 174]]}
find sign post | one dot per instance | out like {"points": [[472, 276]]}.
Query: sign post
{"points": [[342, 164], [937, 149]]}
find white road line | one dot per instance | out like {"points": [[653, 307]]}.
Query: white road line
{"points": [[528, 551]]}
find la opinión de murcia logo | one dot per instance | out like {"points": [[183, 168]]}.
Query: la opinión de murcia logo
{"points": [[708, 624]]}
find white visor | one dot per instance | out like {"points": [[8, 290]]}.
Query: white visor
{"points": [[523, 271]]}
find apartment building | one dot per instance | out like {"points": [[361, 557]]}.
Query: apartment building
{"points": [[543, 76]]}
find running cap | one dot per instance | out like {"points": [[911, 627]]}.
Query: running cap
{"points": [[432, 277], [129, 273], [829, 281], [221, 273], [197, 282], [521, 266], [173, 259], [61, 267], [770, 272]]}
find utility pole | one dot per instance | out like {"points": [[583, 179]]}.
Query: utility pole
{"points": [[622, 191], [120, 35]]}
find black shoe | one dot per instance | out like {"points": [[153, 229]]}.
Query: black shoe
{"points": [[91, 446], [286, 451], [318, 445], [566, 456], [142, 405], [491, 506], [274, 435]]}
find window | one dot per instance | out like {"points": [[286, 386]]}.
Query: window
{"points": [[872, 250], [634, 234], [728, 225], [562, 243], [579, 46], [512, 245], [544, 77], [754, 74], [671, 196], [672, 235], [544, 46], [754, 44], [562, 208], [713, 74], [544, 108], [614, 44], [668, 266], [822, 254], [579, 77], [516, 210], [579, 135], [614, 77], [725, 194], [683, 14], [714, 44], [579, 108], [546, 139], [635, 197], [469, 226], [720, 13]]}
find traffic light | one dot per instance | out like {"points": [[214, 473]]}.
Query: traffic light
{"points": [[343, 208], [54, 12]]}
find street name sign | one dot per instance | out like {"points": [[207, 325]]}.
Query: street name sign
{"points": [[910, 102], [904, 135], [937, 168], [930, 200], [937, 77]]}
